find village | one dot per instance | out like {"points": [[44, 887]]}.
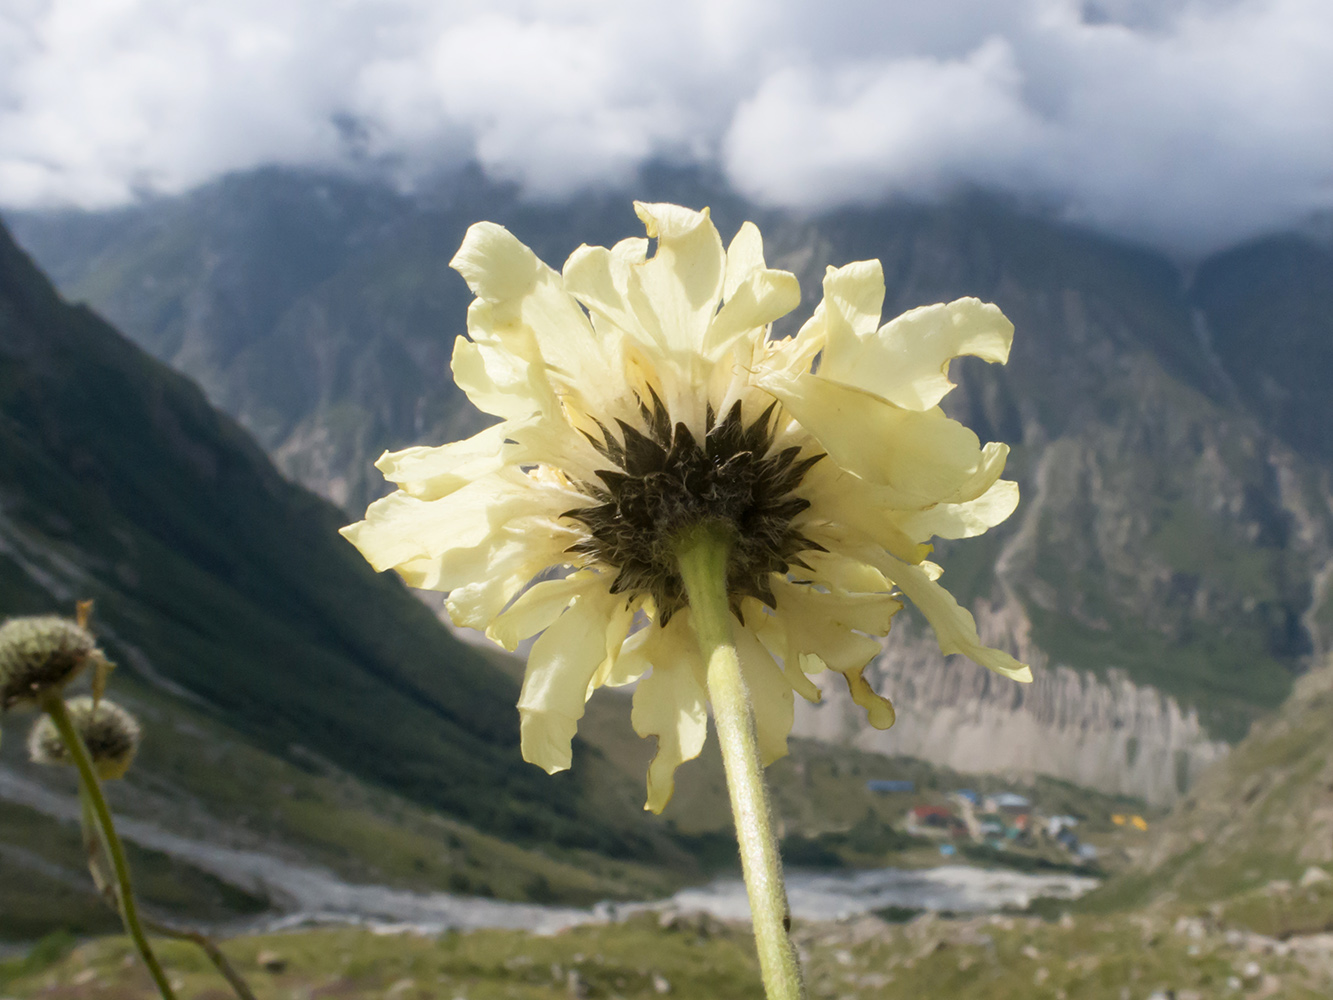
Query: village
{"points": [[1001, 821]]}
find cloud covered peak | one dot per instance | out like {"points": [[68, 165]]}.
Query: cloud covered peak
{"points": [[1188, 123]]}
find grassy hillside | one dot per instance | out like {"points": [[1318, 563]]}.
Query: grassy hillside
{"points": [[1254, 827]]}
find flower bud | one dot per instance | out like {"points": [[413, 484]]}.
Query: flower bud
{"points": [[41, 655], [110, 733]]}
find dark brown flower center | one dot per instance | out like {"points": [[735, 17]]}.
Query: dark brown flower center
{"points": [[666, 481]]}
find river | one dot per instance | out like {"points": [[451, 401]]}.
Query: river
{"points": [[305, 894]]}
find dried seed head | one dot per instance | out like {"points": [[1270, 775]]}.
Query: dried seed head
{"points": [[110, 733], [40, 655], [666, 482]]}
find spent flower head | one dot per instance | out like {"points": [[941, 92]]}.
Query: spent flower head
{"points": [[640, 398], [40, 655], [110, 733]]}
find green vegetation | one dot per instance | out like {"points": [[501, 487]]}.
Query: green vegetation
{"points": [[979, 958]]}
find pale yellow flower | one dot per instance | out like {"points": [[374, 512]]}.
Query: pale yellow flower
{"points": [[639, 395]]}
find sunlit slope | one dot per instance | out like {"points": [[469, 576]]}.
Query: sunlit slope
{"points": [[1256, 825]]}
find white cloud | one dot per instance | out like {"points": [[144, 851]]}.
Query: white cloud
{"points": [[861, 132], [1186, 122]]}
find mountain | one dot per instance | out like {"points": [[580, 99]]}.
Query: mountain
{"points": [[1167, 571], [291, 695]]}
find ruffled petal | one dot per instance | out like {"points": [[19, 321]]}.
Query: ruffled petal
{"points": [[854, 298], [538, 607], [431, 473], [496, 380], [924, 456], [606, 282], [560, 670], [954, 626], [745, 255], [832, 626], [963, 520], [879, 710], [763, 297], [670, 704], [683, 279], [907, 360], [400, 528], [770, 693], [483, 580], [529, 303]]}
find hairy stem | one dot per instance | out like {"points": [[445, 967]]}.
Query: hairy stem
{"points": [[54, 706], [702, 554]]}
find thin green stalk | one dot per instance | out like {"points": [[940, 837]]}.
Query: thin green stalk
{"points": [[55, 708], [214, 953], [703, 555], [106, 885]]}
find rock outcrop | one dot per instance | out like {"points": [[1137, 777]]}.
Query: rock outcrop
{"points": [[1102, 732]]}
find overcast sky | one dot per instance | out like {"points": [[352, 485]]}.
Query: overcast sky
{"points": [[1187, 123]]}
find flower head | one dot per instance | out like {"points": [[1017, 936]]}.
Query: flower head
{"points": [[639, 397], [39, 655], [110, 733]]}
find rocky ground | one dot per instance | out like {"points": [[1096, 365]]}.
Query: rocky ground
{"points": [[1180, 953]]}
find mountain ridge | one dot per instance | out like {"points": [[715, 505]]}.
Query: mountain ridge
{"points": [[1173, 530]]}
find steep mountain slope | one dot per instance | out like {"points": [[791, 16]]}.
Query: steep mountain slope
{"points": [[244, 622], [1254, 837], [1175, 541]]}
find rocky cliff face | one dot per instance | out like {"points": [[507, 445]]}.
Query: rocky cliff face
{"points": [[1168, 569], [1100, 732]]}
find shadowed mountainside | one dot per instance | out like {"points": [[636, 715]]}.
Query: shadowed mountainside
{"points": [[250, 632]]}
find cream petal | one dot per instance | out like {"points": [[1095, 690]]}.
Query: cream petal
{"points": [[527, 297], [536, 608], [766, 625], [500, 383], [631, 662], [924, 456], [671, 704], [763, 297], [831, 624], [771, 696], [843, 506], [963, 520], [609, 671], [794, 355], [683, 279], [839, 571], [482, 581], [561, 666], [879, 710], [854, 298], [431, 473], [745, 255], [907, 360], [954, 626], [994, 456], [606, 282], [400, 528]]}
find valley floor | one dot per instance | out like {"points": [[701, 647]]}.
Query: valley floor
{"points": [[1144, 956]]}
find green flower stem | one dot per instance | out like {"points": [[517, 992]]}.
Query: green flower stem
{"points": [[214, 953], [703, 555], [106, 884], [55, 708]]}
